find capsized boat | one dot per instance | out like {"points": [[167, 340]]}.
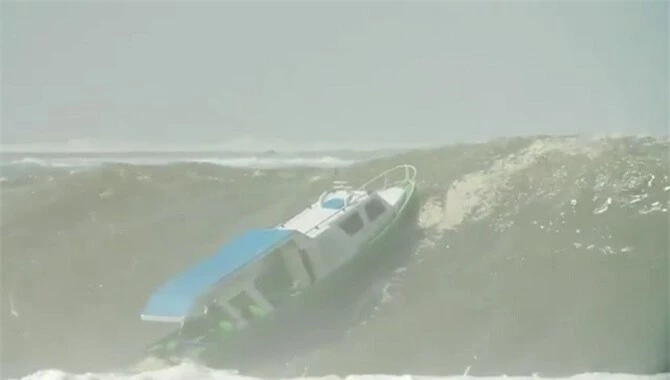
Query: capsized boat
{"points": [[265, 275]]}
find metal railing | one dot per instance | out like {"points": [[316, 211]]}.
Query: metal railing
{"points": [[409, 172], [409, 175]]}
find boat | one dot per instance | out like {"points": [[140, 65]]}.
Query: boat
{"points": [[268, 276]]}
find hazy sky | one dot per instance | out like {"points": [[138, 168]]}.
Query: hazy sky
{"points": [[186, 72]]}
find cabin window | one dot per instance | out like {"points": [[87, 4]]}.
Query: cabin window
{"points": [[274, 280], [374, 208], [201, 324], [352, 224], [245, 304], [218, 312]]}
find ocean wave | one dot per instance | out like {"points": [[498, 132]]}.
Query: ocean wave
{"points": [[531, 256], [262, 162], [194, 371], [245, 144]]}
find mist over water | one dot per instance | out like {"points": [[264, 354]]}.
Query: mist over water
{"points": [[544, 255]]}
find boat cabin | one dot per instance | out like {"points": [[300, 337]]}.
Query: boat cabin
{"points": [[262, 268], [341, 222], [250, 274]]}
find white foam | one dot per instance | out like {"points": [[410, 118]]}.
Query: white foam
{"points": [[603, 207], [257, 162], [190, 370], [474, 195], [242, 144], [277, 162], [651, 180]]}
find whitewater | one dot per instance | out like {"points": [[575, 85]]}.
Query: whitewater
{"points": [[534, 257]]}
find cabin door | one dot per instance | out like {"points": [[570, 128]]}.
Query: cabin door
{"points": [[285, 272], [299, 264]]}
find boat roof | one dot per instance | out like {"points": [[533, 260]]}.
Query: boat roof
{"points": [[172, 302], [317, 217]]}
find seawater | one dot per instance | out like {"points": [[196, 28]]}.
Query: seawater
{"points": [[535, 257]]}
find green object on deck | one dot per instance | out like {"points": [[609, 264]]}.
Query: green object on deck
{"points": [[257, 311], [225, 326]]}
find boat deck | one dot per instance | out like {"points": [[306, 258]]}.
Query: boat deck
{"points": [[392, 195]]}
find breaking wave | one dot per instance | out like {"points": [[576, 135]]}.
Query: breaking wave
{"points": [[541, 257]]}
